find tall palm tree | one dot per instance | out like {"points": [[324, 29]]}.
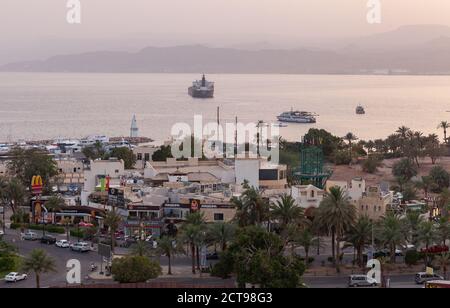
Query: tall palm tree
{"points": [[251, 208], [285, 211], [191, 232], [169, 247], [390, 232], [350, 137], [412, 221], [338, 215], [221, 233], [444, 125], [39, 263], [112, 220], [360, 235], [427, 235]]}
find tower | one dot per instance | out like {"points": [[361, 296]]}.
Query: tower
{"points": [[311, 169], [134, 131]]}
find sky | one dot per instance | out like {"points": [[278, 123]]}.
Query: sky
{"points": [[37, 28]]}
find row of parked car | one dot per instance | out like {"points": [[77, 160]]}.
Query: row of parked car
{"points": [[365, 281], [51, 240]]}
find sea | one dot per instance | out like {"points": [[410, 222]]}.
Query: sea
{"points": [[38, 106]]}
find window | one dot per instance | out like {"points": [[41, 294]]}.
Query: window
{"points": [[218, 216], [117, 170], [139, 156], [147, 156], [312, 193]]}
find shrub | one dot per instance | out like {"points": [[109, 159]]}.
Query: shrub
{"points": [[412, 257], [371, 164], [133, 269], [342, 158]]}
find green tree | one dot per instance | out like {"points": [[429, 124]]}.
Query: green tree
{"points": [[256, 257], [221, 233], [412, 221], [350, 138], [124, 154], [426, 184], [404, 169], [443, 262], [25, 164], [427, 235], [95, 151], [135, 269], [163, 153], [39, 263], [371, 164], [141, 249], [360, 235], [251, 207], [305, 239], [12, 193], [191, 233], [285, 212], [112, 220], [390, 232], [338, 215], [440, 177], [169, 247], [444, 125]]}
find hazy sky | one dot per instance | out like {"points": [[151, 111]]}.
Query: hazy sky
{"points": [[25, 21]]}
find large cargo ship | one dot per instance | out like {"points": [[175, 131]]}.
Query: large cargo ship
{"points": [[202, 88]]}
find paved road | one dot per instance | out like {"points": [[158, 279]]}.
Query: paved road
{"points": [[60, 255], [397, 281]]}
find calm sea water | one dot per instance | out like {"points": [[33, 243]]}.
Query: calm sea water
{"points": [[40, 106]]}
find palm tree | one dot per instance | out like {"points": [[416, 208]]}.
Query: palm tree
{"points": [[426, 184], [443, 261], [285, 211], [141, 249], [428, 236], [443, 230], [191, 232], [338, 215], [251, 208], [221, 233], [360, 235], [305, 239], [112, 220], [403, 131], [444, 125], [39, 263], [350, 137], [391, 233], [169, 247], [412, 221]]}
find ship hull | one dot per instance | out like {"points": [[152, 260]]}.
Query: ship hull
{"points": [[300, 121], [200, 93]]}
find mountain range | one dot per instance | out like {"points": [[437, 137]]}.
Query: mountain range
{"points": [[422, 49]]}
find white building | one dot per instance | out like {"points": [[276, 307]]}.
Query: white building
{"points": [[134, 130], [355, 189], [308, 197], [112, 168]]}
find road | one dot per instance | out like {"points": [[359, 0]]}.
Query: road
{"points": [[397, 281]]}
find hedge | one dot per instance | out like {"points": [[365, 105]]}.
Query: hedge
{"points": [[49, 228]]}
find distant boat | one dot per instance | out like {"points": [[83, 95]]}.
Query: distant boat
{"points": [[297, 117], [202, 88], [360, 110]]}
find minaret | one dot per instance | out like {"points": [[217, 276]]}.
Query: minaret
{"points": [[134, 131]]}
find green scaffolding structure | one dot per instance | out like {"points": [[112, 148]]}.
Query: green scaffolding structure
{"points": [[312, 170]]}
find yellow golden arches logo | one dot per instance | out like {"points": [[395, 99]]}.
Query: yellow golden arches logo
{"points": [[36, 181]]}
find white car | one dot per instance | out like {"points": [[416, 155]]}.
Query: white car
{"points": [[14, 277], [62, 244], [81, 247]]}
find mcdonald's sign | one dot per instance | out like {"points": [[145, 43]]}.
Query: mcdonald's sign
{"points": [[36, 185]]}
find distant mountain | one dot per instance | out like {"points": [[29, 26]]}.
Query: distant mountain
{"points": [[407, 50]]}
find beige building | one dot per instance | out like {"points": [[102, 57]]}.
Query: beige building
{"points": [[143, 154], [308, 197], [374, 203]]}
